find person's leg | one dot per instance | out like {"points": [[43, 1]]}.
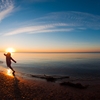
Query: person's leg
{"points": [[12, 69]]}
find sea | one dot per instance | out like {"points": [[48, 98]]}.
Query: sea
{"points": [[78, 65]]}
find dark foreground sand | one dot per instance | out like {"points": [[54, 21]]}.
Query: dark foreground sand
{"points": [[15, 88]]}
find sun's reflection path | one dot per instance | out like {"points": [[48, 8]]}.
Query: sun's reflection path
{"points": [[9, 72]]}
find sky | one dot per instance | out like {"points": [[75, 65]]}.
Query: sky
{"points": [[50, 25]]}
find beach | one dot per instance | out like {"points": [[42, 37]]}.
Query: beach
{"points": [[19, 88], [47, 76]]}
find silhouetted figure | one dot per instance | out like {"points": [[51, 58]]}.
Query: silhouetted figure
{"points": [[8, 61]]}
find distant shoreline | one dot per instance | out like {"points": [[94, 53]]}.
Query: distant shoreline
{"points": [[53, 52]]}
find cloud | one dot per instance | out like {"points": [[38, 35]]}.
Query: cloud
{"points": [[59, 22], [78, 19], [53, 30], [39, 29], [6, 7]]}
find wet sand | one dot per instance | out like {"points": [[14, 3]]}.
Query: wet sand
{"points": [[18, 88]]}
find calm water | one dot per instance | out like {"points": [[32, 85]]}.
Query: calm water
{"points": [[72, 64]]}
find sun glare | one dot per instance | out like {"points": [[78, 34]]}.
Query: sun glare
{"points": [[11, 50], [9, 72]]}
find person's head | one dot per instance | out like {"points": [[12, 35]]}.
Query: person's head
{"points": [[9, 54]]}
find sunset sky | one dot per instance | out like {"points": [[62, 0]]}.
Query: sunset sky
{"points": [[50, 25]]}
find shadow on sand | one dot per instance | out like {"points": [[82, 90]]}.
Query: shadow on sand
{"points": [[17, 91]]}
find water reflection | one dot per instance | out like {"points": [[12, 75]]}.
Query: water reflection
{"points": [[55, 56], [73, 64]]}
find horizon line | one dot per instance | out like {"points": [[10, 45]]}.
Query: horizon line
{"points": [[56, 52]]}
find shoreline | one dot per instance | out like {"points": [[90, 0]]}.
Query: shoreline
{"points": [[20, 88]]}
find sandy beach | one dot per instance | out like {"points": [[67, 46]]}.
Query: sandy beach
{"points": [[19, 88]]}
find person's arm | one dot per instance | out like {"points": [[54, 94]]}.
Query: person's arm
{"points": [[5, 54], [13, 60]]}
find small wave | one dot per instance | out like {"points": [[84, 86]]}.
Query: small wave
{"points": [[50, 78]]}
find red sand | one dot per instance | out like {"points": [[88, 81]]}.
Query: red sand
{"points": [[15, 88]]}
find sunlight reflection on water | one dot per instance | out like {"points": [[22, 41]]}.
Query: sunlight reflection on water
{"points": [[73, 64], [9, 72]]}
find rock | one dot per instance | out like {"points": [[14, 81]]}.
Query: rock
{"points": [[76, 85]]}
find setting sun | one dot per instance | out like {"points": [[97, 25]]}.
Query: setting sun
{"points": [[10, 50]]}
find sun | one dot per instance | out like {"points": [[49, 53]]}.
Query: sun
{"points": [[11, 50]]}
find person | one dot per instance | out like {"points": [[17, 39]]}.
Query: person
{"points": [[8, 61]]}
